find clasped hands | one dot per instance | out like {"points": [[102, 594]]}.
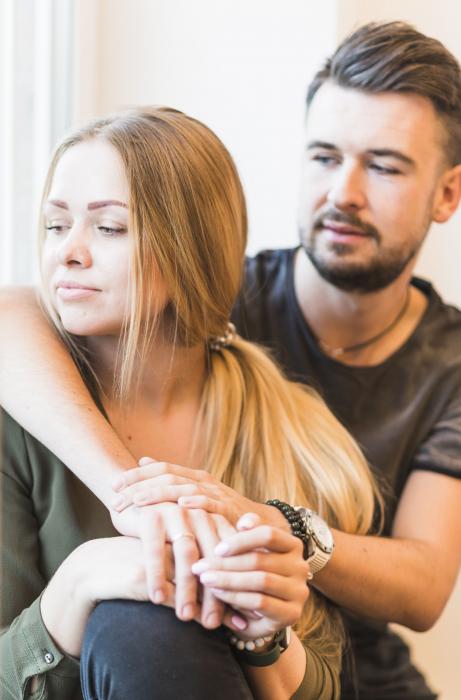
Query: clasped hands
{"points": [[235, 560]]}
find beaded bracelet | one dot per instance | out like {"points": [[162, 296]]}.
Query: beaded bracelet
{"points": [[296, 522], [250, 644]]}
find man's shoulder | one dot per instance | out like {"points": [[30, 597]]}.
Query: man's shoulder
{"points": [[268, 265], [441, 323]]}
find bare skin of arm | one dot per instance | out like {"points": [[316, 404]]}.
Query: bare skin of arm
{"points": [[406, 578], [409, 577], [39, 374]]}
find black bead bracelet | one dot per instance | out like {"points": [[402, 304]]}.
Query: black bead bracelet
{"points": [[297, 524]]}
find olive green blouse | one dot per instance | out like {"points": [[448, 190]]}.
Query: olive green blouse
{"points": [[46, 513]]}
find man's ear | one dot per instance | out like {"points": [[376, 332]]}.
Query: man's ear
{"points": [[448, 195]]}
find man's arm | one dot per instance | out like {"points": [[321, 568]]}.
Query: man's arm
{"points": [[408, 577], [36, 372]]}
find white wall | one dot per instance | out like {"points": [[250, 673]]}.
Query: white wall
{"points": [[436, 652], [242, 67]]}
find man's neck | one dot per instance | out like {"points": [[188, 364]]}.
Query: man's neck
{"points": [[341, 320]]}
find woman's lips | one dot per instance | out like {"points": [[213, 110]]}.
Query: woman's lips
{"points": [[74, 293]]}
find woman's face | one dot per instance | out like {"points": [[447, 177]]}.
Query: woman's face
{"points": [[86, 255]]}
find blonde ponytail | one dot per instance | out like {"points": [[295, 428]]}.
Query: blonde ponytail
{"points": [[270, 438]]}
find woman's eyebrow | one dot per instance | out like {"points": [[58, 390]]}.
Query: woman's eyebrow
{"points": [[106, 203]]}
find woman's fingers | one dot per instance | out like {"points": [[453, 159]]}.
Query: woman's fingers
{"points": [[207, 538], [271, 538], [184, 542], [280, 611], [263, 582], [282, 564], [152, 535]]}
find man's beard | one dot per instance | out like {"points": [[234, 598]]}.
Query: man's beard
{"points": [[361, 278]]}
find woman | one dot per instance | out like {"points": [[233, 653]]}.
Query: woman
{"points": [[142, 244]]}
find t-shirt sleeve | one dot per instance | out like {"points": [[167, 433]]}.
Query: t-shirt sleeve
{"points": [[321, 678], [441, 450], [26, 648]]}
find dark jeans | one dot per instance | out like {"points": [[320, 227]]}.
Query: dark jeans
{"points": [[141, 651]]}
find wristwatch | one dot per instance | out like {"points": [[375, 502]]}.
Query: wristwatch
{"points": [[321, 542], [268, 657]]}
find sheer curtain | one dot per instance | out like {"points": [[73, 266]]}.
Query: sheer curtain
{"points": [[36, 106]]}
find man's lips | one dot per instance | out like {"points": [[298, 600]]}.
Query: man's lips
{"points": [[343, 229]]}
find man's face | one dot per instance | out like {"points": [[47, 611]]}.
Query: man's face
{"points": [[370, 173]]}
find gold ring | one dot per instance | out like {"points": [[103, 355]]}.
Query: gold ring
{"points": [[182, 534]]}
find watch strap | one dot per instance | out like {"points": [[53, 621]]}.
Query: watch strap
{"points": [[268, 657]]}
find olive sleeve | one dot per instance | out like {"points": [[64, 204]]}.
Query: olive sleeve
{"points": [[26, 648], [321, 678]]}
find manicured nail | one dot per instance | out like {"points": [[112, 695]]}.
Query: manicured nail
{"points": [[213, 620], [159, 596], [221, 548], [257, 614], [145, 460], [239, 622], [208, 577], [199, 567], [118, 484], [188, 611], [247, 521]]}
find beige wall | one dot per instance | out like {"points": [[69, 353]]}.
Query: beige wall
{"points": [[243, 67]]}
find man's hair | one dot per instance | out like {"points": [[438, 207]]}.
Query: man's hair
{"points": [[395, 57]]}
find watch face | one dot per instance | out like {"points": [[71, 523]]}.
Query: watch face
{"points": [[321, 533]]}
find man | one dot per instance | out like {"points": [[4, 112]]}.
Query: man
{"points": [[342, 312]]}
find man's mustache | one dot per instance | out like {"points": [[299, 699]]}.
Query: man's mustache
{"points": [[343, 218]]}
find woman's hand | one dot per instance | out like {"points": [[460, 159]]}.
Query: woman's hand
{"points": [[259, 571], [157, 482], [192, 534]]}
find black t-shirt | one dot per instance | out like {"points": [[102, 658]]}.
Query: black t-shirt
{"points": [[405, 413]]}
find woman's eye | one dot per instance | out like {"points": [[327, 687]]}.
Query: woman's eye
{"points": [[111, 230], [57, 228], [324, 160]]}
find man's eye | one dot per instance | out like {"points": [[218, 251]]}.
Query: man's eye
{"points": [[111, 230], [385, 171]]}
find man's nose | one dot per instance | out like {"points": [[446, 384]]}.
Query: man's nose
{"points": [[347, 191], [75, 248]]}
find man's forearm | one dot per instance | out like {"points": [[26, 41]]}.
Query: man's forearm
{"points": [[42, 389], [388, 579]]}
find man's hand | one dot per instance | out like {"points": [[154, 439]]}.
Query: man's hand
{"points": [[158, 482]]}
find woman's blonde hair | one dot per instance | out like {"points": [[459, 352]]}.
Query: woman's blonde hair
{"points": [[264, 436]]}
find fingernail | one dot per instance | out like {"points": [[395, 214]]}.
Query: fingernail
{"points": [[118, 502], [221, 548], [184, 501], [199, 566], [213, 620], [159, 596], [188, 611], [208, 577], [239, 622], [247, 521], [257, 614], [145, 460], [118, 484]]}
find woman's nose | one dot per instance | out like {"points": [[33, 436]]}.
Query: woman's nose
{"points": [[75, 247]]}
